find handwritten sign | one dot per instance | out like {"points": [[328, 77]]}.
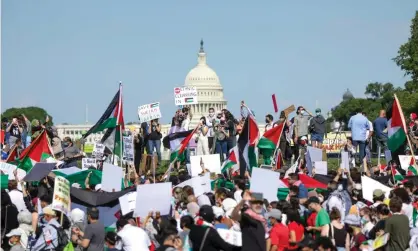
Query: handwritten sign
{"points": [[185, 95], [289, 110], [128, 148], [61, 200], [98, 150], [86, 163], [149, 112]]}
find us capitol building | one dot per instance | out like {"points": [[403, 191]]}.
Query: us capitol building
{"points": [[210, 94]]}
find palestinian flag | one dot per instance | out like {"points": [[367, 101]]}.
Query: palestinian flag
{"points": [[177, 153], [175, 136], [309, 182], [396, 175], [247, 143], [411, 168], [269, 142], [39, 150], [396, 126], [232, 160], [12, 157], [112, 120]]}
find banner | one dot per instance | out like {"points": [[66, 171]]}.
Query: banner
{"points": [[149, 112], [128, 148], [185, 96], [61, 200], [334, 143]]}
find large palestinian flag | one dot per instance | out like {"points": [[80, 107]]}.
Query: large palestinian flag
{"points": [[247, 142], [396, 126], [39, 150], [111, 121], [269, 142]]}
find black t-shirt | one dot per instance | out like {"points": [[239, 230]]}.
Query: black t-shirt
{"points": [[230, 127], [154, 135], [14, 131]]}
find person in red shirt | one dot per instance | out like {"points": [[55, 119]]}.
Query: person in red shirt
{"points": [[296, 229], [279, 233]]}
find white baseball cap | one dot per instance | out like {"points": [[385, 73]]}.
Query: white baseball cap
{"points": [[14, 232]]}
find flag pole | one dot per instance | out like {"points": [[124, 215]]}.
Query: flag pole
{"points": [[120, 125], [406, 131]]}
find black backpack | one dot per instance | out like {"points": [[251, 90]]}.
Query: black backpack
{"points": [[62, 238]]}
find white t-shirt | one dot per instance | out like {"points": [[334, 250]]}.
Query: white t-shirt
{"points": [[186, 122], [16, 197], [134, 239], [370, 129], [237, 196], [408, 210]]}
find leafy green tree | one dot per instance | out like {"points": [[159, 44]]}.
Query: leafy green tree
{"points": [[31, 113], [407, 57]]}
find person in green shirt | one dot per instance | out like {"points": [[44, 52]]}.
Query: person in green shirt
{"points": [[322, 220]]}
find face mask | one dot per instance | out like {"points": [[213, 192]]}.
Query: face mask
{"points": [[43, 221], [302, 112], [364, 220], [11, 244], [267, 121], [318, 113], [66, 144]]}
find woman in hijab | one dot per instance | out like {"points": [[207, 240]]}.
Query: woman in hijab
{"points": [[78, 220], [25, 225]]}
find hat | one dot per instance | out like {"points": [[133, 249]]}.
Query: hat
{"points": [[313, 199], [318, 110], [274, 213], [312, 194], [378, 193], [206, 212], [14, 232], [48, 211], [98, 187], [218, 212], [228, 203], [352, 220]]}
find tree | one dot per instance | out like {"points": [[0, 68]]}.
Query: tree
{"points": [[407, 57], [31, 113]]}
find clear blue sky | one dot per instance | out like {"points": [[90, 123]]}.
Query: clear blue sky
{"points": [[62, 55]]}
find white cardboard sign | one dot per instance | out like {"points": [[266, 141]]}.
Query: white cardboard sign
{"points": [[149, 112], [212, 162], [153, 197], [88, 162], [368, 185], [111, 178], [61, 200], [185, 95], [266, 182], [127, 203], [98, 150]]}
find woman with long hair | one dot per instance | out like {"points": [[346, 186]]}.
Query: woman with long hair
{"points": [[231, 128], [202, 138]]}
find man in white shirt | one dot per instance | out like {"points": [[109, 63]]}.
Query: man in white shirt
{"points": [[269, 122], [16, 196], [132, 238], [209, 120]]}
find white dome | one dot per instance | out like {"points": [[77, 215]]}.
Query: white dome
{"points": [[202, 74]]}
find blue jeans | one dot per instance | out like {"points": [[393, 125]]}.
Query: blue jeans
{"points": [[221, 147], [362, 149], [157, 145]]}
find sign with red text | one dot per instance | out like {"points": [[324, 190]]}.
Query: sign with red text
{"points": [[186, 95], [149, 112], [61, 200]]}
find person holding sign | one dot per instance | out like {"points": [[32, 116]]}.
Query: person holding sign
{"points": [[154, 138]]}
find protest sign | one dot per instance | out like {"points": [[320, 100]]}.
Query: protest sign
{"points": [[9, 170], [149, 112], [61, 200], [146, 199], [127, 203], [128, 148], [321, 167], [211, 162], [289, 110], [266, 182], [111, 178], [39, 171], [86, 163], [368, 185], [406, 161], [98, 150], [185, 95]]}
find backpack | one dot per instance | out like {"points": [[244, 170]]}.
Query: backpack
{"points": [[63, 239]]}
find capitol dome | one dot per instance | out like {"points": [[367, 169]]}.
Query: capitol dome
{"points": [[209, 88], [347, 95], [202, 74]]}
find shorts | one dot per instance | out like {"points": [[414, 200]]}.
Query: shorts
{"points": [[317, 137]]}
